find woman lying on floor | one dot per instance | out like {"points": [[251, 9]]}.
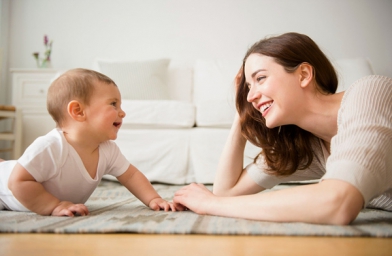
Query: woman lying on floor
{"points": [[287, 106]]}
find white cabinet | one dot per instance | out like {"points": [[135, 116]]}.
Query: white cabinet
{"points": [[29, 88]]}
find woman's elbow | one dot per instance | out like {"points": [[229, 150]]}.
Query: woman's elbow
{"points": [[345, 208], [344, 217]]}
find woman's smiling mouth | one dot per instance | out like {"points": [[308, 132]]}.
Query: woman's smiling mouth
{"points": [[264, 107]]}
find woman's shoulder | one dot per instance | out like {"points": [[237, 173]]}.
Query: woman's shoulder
{"points": [[368, 90], [374, 83]]}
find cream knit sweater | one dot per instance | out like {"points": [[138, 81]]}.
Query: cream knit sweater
{"points": [[361, 151]]}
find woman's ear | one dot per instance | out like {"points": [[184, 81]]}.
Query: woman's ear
{"points": [[75, 110], [306, 74]]}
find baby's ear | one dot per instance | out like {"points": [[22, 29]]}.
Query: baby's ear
{"points": [[75, 110], [306, 74]]}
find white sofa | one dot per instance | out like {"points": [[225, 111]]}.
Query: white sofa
{"points": [[179, 113]]}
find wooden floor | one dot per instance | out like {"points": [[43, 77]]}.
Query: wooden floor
{"points": [[188, 245]]}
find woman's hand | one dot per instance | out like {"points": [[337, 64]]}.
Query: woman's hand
{"points": [[70, 209], [195, 197]]}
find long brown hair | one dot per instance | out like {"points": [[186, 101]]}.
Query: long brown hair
{"points": [[288, 148]]}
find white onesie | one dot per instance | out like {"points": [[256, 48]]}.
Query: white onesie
{"points": [[54, 163]]}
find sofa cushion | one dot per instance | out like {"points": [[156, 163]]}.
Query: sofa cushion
{"points": [[350, 70], [214, 92], [138, 80], [180, 80], [215, 113], [206, 146], [161, 154], [158, 114]]}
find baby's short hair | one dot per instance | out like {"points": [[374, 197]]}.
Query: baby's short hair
{"points": [[75, 84]]}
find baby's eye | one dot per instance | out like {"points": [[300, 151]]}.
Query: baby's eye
{"points": [[114, 103]]}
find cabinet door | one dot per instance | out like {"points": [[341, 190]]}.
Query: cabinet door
{"points": [[29, 89]]}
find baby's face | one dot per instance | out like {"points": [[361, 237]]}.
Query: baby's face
{"points": [[104, 113]]}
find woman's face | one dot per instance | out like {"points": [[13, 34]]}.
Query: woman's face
{"points": [[272, 90]]}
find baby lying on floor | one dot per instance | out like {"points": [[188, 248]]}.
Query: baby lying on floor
{"points": [[59, 171]]}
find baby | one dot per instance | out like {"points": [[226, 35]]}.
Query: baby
{"points": [[59, 171]]}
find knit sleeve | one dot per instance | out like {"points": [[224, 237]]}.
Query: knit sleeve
{"points": [[257, 174], [362, 149]]}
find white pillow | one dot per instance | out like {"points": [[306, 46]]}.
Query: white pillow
{"points": [[215, 113], [158, 114], [214, 79], [141, 80], [350, 70], [161, 154], [206, 146], [180, 80], [214, 91]]}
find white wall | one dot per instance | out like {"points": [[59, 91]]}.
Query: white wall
{"points": [[4, 18], [190, 29]]}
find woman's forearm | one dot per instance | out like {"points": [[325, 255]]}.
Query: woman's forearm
{"points": [[329, 202], [230, 165]]}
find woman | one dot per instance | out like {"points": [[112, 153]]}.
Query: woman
{"points": [[287, 106]]}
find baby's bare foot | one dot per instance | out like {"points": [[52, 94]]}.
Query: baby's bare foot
{"points": [[2, 160]]}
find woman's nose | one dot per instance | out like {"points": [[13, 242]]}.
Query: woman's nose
{"points": [[253, 94]]}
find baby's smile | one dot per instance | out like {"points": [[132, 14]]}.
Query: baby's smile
{"points": [[117, 124]]}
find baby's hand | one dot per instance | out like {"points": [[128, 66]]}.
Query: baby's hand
{"points": [[157, 204], [65, 208]]}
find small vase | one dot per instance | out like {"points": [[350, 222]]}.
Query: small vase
{"points": [[46, 64]]}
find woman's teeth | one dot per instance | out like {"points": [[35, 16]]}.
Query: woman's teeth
{"points": [[264, 107]]}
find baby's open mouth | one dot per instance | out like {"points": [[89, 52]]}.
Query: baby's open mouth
{"points": [[117, 124]]}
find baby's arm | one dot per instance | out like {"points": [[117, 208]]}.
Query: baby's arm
{"points": [[140, 186], [35, 198]]}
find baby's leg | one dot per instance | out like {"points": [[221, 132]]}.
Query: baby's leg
{"points": [[1, 202], [2, 205]]}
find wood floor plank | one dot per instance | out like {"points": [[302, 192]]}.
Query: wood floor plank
{"points": [[139, 244]]}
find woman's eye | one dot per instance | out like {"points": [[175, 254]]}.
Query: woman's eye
{"points": [[260, 78], [249, 86]]}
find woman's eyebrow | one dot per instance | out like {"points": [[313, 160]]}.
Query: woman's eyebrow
{"points": [[257, 71]]}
